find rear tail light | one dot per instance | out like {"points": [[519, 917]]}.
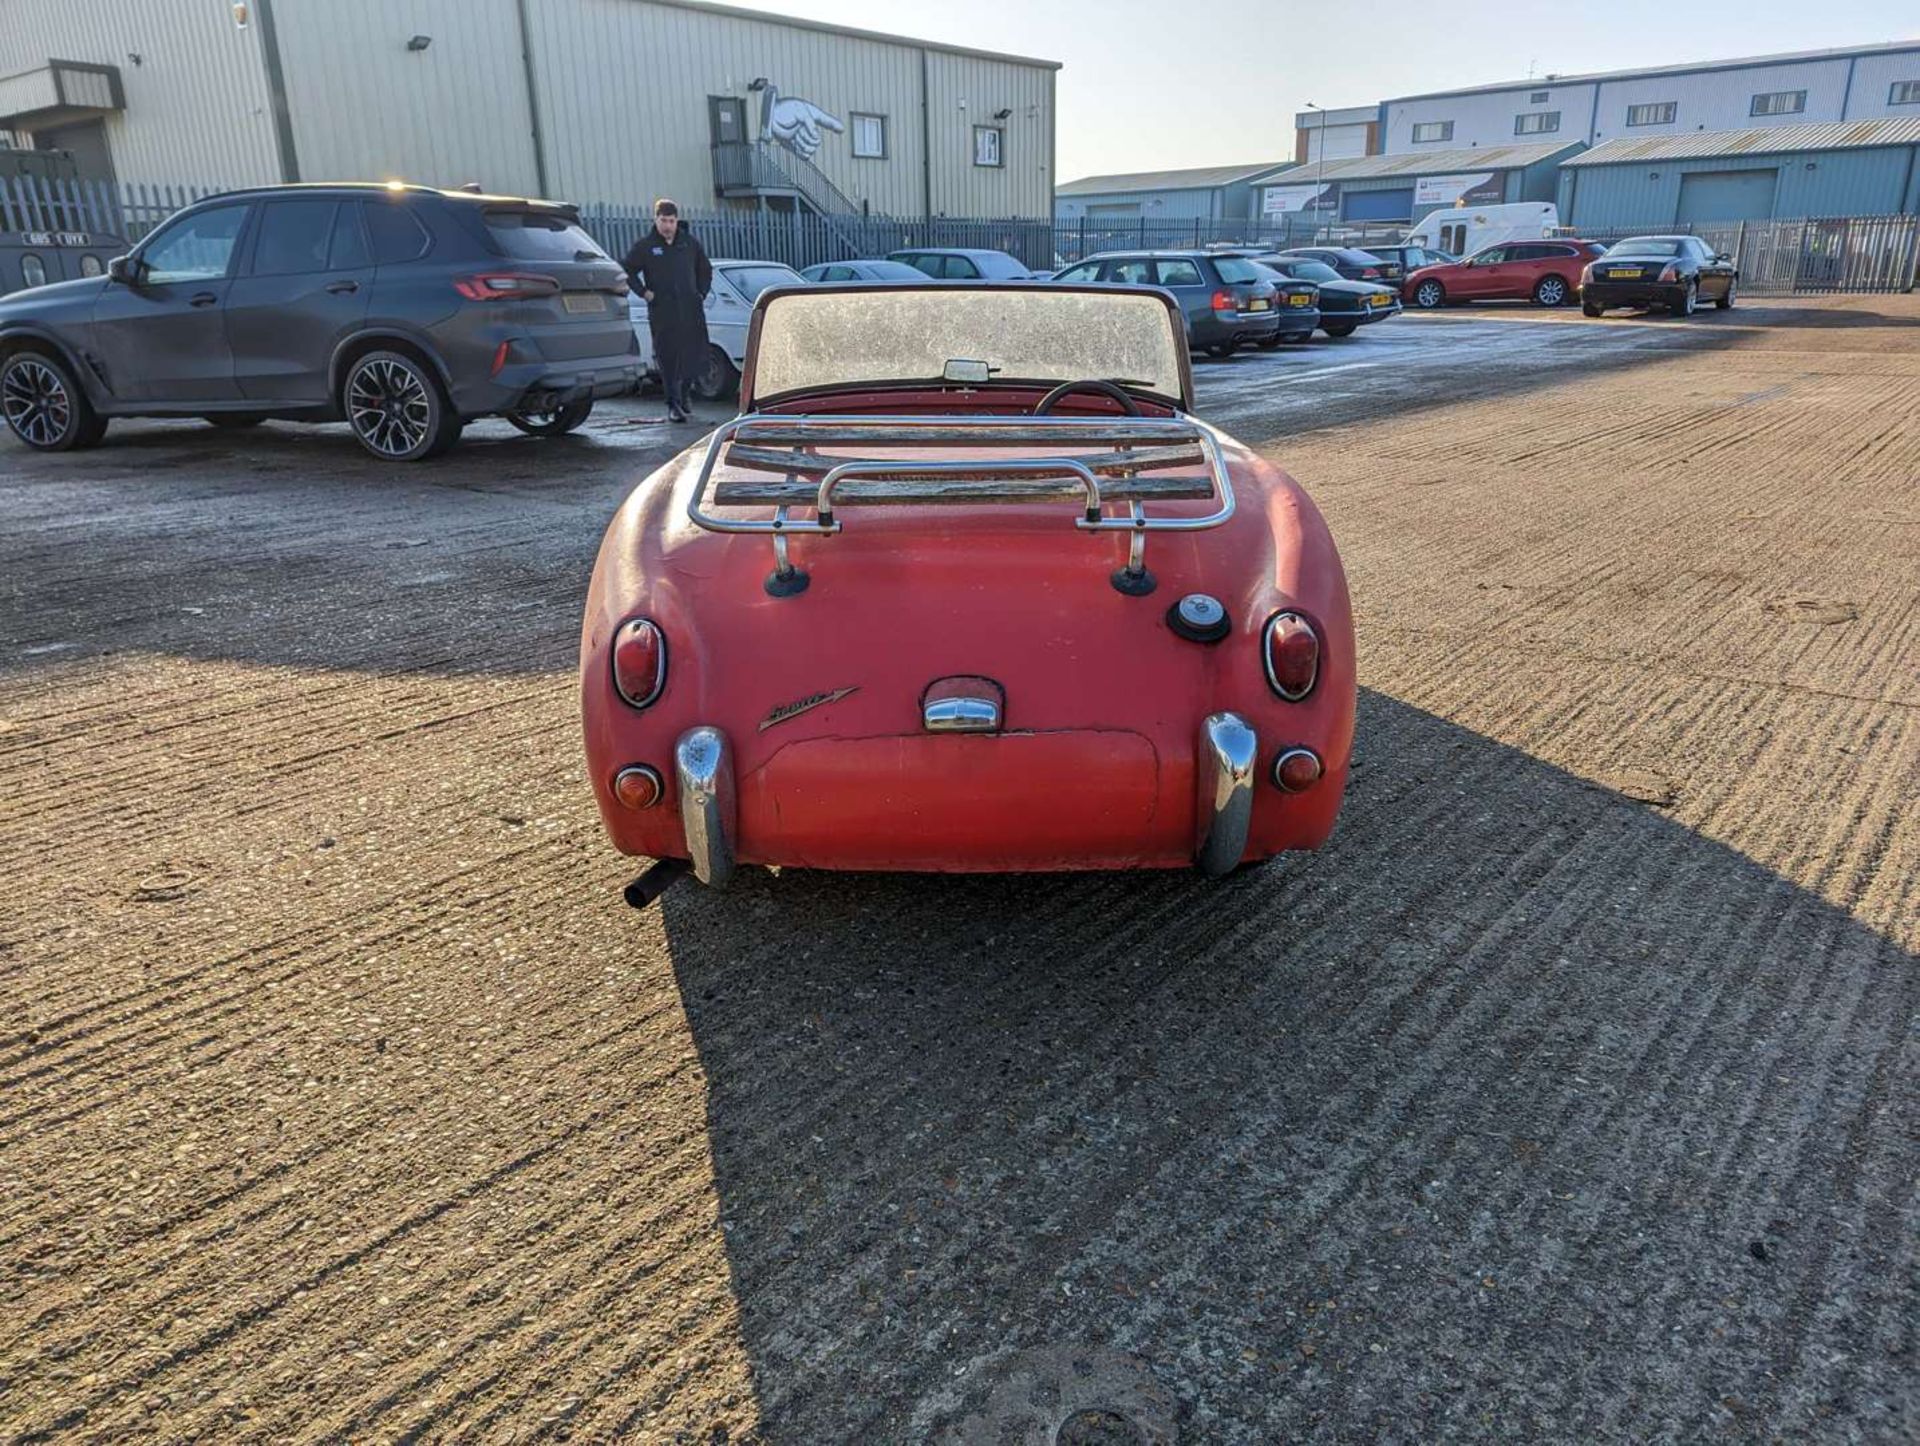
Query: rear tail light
{"points": [[1225, 301], [504, 286], [639, 662], [1293, 656], [1297, 769], [1369, 273], [637, 787], [1670, 272]]}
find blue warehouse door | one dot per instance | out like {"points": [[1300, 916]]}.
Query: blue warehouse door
{"points": [[1726, 196], [1378, 205]]}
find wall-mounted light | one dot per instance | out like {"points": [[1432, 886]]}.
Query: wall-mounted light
{"points": [[759, 82], [135, 57], [420, 42], [1003, 112], [240, 16]]}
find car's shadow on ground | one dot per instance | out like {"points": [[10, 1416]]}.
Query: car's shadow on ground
{"points": [[1520, 1112]]}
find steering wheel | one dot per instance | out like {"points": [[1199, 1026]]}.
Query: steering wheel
{"points": [[1091, 384]]}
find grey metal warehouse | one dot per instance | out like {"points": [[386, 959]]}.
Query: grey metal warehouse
{"points": [[587, 100], [1405, 188], [1202, 193], [1846, 168]]}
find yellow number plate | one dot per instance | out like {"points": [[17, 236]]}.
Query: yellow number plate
{"points": [[1617, 275], [1379, 301], [1258, 305], [588, 301], [1299, 301]]}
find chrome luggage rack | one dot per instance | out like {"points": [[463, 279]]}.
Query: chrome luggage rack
{"points": [[811, 479]]}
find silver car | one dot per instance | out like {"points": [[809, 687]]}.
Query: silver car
{"points": [[736, 285]]}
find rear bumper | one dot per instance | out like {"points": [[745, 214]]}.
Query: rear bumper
{"points": [[1299, 320], [828, 805], [540, 384], [1235, 326], [1633, 293]]}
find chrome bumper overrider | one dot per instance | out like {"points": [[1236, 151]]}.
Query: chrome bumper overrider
{"points": [[1228, 747], [703, 765]]}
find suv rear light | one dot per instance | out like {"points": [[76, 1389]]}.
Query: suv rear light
{"points": [[504, 286], [1670, 272], [1225, 301], [1369, 273], [639, 662], [1292, 656]]}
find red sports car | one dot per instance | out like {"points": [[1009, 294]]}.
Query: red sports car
{"points": [[966, 587], [1547, 272]]}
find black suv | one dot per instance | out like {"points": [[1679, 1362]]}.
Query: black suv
{"points": [[403, 311]]}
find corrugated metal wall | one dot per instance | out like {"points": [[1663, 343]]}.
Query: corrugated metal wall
{"points": [[623, 87], [963, 92], [365, 108], [197, 109], [1841, 183], [1183, 205]]}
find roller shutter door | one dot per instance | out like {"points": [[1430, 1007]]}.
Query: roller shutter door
{"points": [[1377, 205], [1726, 196]]}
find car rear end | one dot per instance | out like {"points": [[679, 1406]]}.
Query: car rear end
{"points": [[1365, 266], [1298, 303], [539, 318], [1242, 305], [1630, 280]]}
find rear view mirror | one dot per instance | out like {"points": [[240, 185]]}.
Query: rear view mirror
{"points": [[125, 270]]}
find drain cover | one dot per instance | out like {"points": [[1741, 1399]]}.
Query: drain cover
{"points": [[1054, 1396]]}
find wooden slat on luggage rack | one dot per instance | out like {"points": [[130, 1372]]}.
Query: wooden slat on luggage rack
{"points": [[816, 464], [879, 491], [1055, 433]]}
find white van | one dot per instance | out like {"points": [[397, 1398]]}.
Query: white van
{"points": [[1463, 230]]}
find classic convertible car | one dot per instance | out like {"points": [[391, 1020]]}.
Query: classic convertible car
{"points": [[965, 586]]}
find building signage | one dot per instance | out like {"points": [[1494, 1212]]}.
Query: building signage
{"points": [[1479, 188], [55, 238], [797, 124], [1290, 200]]}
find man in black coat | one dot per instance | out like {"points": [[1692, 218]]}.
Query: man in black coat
{"points": [[670, 270]]}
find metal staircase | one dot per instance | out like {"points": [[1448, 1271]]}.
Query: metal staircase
{"points": [[749, 169]]}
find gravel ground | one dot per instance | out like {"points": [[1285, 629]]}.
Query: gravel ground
{"points": [[1569, 1095]]}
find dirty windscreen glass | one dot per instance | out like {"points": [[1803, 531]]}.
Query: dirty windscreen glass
{"points": [[878, 335]]}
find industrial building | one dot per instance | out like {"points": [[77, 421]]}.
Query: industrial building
{"points": [[1403, 188], [588, 100], [1336, 134], [1868, 82], [1204, 193], [1864, 168]]}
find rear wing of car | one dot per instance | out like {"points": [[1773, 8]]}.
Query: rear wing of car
{"points": [[1102, 464]]}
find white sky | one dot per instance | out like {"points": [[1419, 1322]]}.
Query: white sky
{"points": [[1152, 84]]}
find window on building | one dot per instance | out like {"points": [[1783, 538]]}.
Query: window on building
{"points": [[1536, 122], [1779, 102], [1656, 113], [1539, 97], [869, 135], [1904, 92], [987, 146], [1433, 131], [33, 271]]}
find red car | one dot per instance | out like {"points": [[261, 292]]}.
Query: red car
{"points": [[942, 597], [1547, 272]]}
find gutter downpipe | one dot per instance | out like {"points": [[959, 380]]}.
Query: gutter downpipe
{"points": [[277, 94], [533, 102], [926, 143]]}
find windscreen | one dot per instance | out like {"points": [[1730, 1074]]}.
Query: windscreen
{"points": [[1232, 268], [808, 341], [541, 236], [1646, 246]]}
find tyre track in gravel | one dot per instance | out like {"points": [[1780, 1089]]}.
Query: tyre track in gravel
{"points": [[791, 1156]]}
